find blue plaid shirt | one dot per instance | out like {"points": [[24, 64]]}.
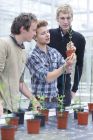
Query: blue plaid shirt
{"points": [[39, 64]]}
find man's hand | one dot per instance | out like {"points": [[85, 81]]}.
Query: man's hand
{"points": [[35, 104], [70, 48], [69, 62], [71, 59]]}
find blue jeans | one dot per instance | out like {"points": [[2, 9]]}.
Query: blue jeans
{"points": [[64, 88], [50, 105]]}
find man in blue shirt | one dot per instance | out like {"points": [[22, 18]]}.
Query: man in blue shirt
{"points": [[46, 65]]}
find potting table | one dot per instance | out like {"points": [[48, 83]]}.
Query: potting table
{"points": [[50, 131]]}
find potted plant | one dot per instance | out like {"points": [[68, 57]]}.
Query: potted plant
{"points": [[90, 104], [33, 124], [80, 113], [20, 112], [70, 49], [62, 115], [77, 107], [39, 114], [82, 116], [43, 110]]}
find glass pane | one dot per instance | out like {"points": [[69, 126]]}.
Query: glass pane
{"points": [[91, 21], [80, 22], [91, 5], [79, 5]]}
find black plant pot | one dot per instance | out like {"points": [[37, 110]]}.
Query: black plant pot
{"points": [[42, 118], [76, 110], [20, 114]]}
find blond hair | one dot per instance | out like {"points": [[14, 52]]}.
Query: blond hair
{"points": [[65, 9]]}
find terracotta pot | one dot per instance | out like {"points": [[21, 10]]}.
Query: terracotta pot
{"points": [[69, 52], [90, 107], [7, 132], [62, 121], [82, 118], [46, 113], [76, 110], [14, 121], [33, 126], [66, 113]]}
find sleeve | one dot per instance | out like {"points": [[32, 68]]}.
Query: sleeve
{"points": [[79, 63], [37, 68], [22, 77], [60, 59], [3, 55]]}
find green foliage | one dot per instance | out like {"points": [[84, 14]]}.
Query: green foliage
{"points": [[41, 99], [60, 99], [77, 105], [33, 102], [70, 34]]}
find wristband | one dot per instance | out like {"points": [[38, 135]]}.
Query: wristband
{"points": [[63, 68]]}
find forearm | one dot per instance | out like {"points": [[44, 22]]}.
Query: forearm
{"points": [[56, 73], [25, 91]]}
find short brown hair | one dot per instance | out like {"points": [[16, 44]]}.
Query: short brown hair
{"points": [[41, 23], [25, 20], [66, 9]]}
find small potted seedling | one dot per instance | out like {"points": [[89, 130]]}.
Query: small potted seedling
{"points": [[62, 115], [79, 113], [77, 107], [33, 124], [69, 47], [82, 116], [90, 104], [43, 110], [20, 112]]}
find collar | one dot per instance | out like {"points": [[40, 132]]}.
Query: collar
{"points": [[41, 51], [62, 33], [15, 41]]}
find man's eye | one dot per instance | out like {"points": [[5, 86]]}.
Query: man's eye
{"points": [[68, 18]]}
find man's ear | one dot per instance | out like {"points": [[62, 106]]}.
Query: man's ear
{"points": [[22, 29]]}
